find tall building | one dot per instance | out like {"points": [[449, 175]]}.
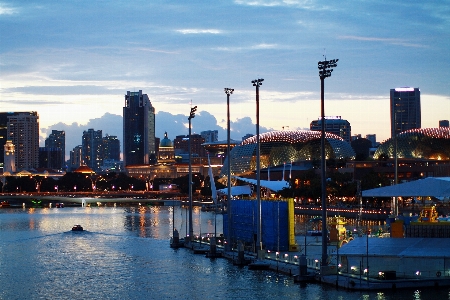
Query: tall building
{"points": [[92, 149], [336, 125], [23, 131], [138, 129], [181, 145], [210, 135], [405, 109], [111, 148], [57, 140], [76, 158], [50, 158]]}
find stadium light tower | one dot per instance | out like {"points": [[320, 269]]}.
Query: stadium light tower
{"points": [[228, 246], [257, 83], [325, 69], [191, 228]]}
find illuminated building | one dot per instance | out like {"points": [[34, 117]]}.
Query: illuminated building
{"points": [[335, 125], [405, 109], [56, 140], [286, 146]]}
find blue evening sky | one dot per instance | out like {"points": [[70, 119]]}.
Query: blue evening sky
{"points": [[73, 61]]}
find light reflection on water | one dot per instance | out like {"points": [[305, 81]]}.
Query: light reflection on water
{"points": [[124, 254]]}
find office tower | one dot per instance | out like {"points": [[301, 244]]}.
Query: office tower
{"points": [[138, 129], [210, 135], [181, 145], [57, 140], [111, 148], [443, 123], [92, 153], [76, 158], [23, 131], [336, 125], [405, 109], [50, 158]]}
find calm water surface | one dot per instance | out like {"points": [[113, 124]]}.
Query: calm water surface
{"points": [[124, 254]]}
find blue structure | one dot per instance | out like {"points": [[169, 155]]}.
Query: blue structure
{"points": [[274, 219]]}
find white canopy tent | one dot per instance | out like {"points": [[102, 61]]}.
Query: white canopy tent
{"points": [[438, 187], [237, 190], [275, 186]]}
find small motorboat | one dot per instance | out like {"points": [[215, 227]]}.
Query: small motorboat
{"points": [[77, 228]]}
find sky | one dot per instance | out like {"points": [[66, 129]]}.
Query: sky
{"points": [[73, 62]]}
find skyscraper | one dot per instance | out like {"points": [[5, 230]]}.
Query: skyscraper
{"points": [[210, 135], [57, 140], [92, 149], [336, 125], [23, 131], [111, 148], [138, 129], [405, 109]]}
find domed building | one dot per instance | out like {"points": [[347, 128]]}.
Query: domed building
{"points": [[166, 153], [286, 146], [424, 143]]}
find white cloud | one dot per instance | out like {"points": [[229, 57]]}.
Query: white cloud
{"points": [[394, 41], [5, 10], [199, 31]]}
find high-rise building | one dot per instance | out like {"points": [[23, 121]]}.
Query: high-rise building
{"points": [[111, 148], [405, 109], [76, 158], [92, 149], [23, 131], [336, 125], [9, 159], [210, 135], [57, 139], [50, 157], [181, 145], [138, 129]]}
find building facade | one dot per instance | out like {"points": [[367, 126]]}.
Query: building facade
{"points": [[76, 158], [92, 149], [210, 135], [111, 148], [181, 145], [138, 129], [23, 131], [444, 123], [405, 109], [335, 125], [57, 139]]}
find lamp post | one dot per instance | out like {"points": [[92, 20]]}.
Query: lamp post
{"points": [[191, 228], [228, 246], [257, 83], [325, 69]]}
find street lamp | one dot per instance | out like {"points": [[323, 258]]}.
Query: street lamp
{"points": [[228, 91], [257, 83], [191, 228], [325, 69]]}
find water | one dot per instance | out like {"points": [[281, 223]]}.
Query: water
{"points": [[124, 254]]}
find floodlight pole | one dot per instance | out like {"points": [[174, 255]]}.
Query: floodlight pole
{"points": [[257, 83], [191, 228], [324, 72], [228, 246]]}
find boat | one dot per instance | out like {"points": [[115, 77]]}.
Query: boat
{"points": [[77, 228], [5, 204]]}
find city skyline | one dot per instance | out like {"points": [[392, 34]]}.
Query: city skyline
{"points": [[73, 63]]}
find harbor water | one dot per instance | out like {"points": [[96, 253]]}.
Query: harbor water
{"points": [[124, 253]]}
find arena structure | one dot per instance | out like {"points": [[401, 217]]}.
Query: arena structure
{"points": [[285, 146], [424, 143]]}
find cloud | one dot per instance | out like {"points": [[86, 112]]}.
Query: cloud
{"points": [[5, 10], [64, 90], [199, 31], [393, 41], [306, 4]]}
